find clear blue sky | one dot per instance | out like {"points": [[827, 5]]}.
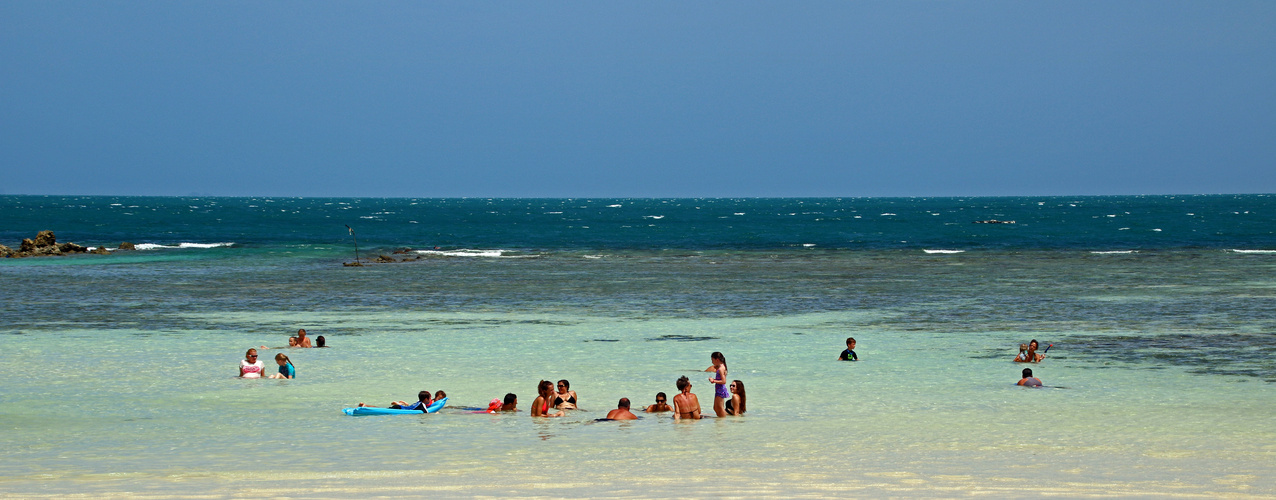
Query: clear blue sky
{"points": [[597, 99]]}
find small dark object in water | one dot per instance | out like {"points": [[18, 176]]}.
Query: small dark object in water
{"points": [[603, 340], [681, 338], [352, 264]]}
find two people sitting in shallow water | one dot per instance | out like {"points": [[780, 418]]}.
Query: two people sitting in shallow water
{"points": [[251, 367], [1028, 353]]}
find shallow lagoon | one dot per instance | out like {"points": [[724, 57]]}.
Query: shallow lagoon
{"points": [[119, 373]]}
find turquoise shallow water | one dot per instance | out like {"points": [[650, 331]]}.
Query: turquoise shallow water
{"points": [[119, 370]]}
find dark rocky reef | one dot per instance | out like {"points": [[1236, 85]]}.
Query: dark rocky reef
{"points": [[46, 244]]}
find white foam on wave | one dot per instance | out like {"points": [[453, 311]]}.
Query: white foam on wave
{"points": [[888, 213], [157, 246], [808, 245], [614, 206], [1113, 252], [943, 251], [469, 252], [1254, 251], [657, 217]]}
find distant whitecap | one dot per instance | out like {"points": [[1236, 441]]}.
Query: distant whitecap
{"points": [[943, 251], [1254, 251], [1113, 252]]}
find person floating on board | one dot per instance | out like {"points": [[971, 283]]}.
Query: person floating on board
{"points": [[1028, 380], [849, 353], [423, 402], [622, 411]]}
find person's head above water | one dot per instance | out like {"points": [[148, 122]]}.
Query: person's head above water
{"points": [[320, 342], [1032, 344], [511, 399], [423, 396], [624, 403], [251, 355], [564, 385], [301, 332], [683, 383], [850, 342], [661, 398], [544, 388], [1027, 373]]}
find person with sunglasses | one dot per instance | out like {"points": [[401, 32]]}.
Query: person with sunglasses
{"points": [[661, 404], [250, 366], [565, 397]]}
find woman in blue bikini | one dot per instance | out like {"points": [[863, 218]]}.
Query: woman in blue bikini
{"points": [[719, 381]]}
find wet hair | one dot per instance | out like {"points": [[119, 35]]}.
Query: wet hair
{"points": [[283, 357], [660, 395], [850, 340], [544, 387], [440, 394], [510, 398], [319, 342], [624, 403], [1027, 372], [718, 356], [423, 396], [683, 382], [739, 389], [566, 385]]}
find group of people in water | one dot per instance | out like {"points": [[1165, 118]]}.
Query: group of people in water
{"points": [[1028, 354], [251, 367], [553, 400], [556, 399]]}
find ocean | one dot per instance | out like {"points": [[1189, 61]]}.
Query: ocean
{"points": [[119, 370]]}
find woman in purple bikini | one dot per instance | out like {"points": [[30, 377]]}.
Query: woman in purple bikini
{"points": [[719, 381]]}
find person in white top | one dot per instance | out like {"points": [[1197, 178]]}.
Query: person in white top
{"points": [[251, 367]]}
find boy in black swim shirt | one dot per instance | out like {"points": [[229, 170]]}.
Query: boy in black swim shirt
{"points": [[849, 353]]}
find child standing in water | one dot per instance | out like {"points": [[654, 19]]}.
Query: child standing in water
{"points": [[719, 381], [286, 370], [849, 353]]}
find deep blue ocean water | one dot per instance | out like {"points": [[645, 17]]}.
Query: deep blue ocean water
{"points": [[574, 225]]}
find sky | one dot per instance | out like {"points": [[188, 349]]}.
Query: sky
{"points": [[637, 99]]}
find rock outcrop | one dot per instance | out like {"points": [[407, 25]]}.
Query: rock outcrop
{"points": [[45, 244], [127, 246]]}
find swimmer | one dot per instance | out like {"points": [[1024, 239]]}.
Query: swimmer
{"points": [[735, 406], [661, 404], [250, 366], [565, 398], [849, 353], [622, 411], [540, 406], [1028, 380], [493, 406], [439, 395], [719, 381], [685, 404], [510, 403], [1032, 355], [320, 342], [301, 339], [286, 370]]}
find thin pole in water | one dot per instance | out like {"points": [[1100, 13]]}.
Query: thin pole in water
{"points": [[356, 244]]}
